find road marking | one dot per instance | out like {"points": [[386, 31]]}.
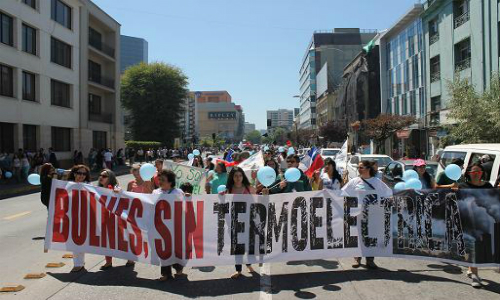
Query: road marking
{"points": [[265, 282], [10, 218]]}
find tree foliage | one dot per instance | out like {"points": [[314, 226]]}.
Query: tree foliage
{"points": [[254, 137], [384, 126], [334, 131], [475, 117], [154, 94]]}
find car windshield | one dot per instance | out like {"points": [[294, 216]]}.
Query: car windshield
{"points": [[381, 161], [431, 169], [448, 156], [329, 152]]}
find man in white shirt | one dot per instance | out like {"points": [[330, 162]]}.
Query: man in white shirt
{"points": [[108, 159]]}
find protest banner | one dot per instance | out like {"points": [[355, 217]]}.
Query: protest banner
{"points": [[195, 176], [461, 227]]}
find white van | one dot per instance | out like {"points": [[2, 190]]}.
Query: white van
{"points": [[472, 153]]}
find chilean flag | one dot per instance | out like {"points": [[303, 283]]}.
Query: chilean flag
{"points": [[312, 161]]}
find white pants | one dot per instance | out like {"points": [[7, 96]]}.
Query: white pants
{"points": [[78, 259]]}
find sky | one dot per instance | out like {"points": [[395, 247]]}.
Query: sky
{"points": [[252, 49]]}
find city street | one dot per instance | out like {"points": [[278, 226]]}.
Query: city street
{"points": [[22, 223]]}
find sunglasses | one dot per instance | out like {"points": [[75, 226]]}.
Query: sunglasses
{"points": [[104, 175], [362, 168], [81, 173], [475, 172]]}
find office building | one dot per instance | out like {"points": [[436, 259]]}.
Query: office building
{"points": [[133, 51], [279, 118], [249, 127], [60, 82], [188, 123], [338, 48]]}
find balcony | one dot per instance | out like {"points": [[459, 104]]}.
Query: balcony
{"points": [[102, 118], [462, 65], [436, 76], [104, 48], [102, 80], [433, 38], [459, 21]]}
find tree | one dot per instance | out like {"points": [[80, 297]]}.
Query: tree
{"points": [[279, 136], [334, 131], [476, 117], [254, 137], [154, 94], [384, 126]]}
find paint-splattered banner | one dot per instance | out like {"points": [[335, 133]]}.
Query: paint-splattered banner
{"points": [[207, 230]]}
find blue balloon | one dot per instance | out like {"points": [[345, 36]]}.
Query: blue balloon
{"points": [[34, 179], [221, 188], [292, 175], [410, 174], [60, 171], [413, 184], [400, 186], [291, 151], [8, 174], [196, 152], [453, 172], [281, 149], [266, 148], [190, 156], [147, 171], [266, 176]]}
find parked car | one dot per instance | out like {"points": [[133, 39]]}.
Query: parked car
{"points": [[329, 152], [472, 153], [393, 172], [352, 165]]}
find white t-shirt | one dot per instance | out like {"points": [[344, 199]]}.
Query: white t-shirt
{"points": [[174, 191], [108, 156], [330, 184], [357, 184]]}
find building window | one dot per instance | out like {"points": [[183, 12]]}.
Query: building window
{"points": [[405, 104], [61, 139], [29, 86], [60, 53], [461, 12], [30, 3], [60, 93], [94, 72], [396, 105], [6, 81], [435, 69], [433, 31], [436, 103], [30, 138], [29, 39], [6, 137], [388, 109], [6, 30], [413, 103], [61, 13], [99, 140], [95, 38], [94, 104], [462, 55]]}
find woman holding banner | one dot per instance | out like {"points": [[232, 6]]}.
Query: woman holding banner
{"points": [[138, 185], [219, 178], [330, 179], [238, 183], [366, 182], [79, 174], [167, 186]]}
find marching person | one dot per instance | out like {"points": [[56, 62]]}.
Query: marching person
{"points": [[47, 173], [138, 185], [159, 167], [366, 181], [238, 183], [330, 179], [300, 185], [167, 187], [475, 178], [218, 178], [260, 189], [79, 174], [107, 179], [425, 178]]}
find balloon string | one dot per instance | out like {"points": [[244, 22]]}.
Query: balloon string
{"points": [[275, 185]]}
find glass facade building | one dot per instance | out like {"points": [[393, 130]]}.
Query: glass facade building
{"points": [[133, 51]]}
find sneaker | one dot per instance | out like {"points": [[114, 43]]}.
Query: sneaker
{"points": [[357, 263], [476, 281], [469, 274]]}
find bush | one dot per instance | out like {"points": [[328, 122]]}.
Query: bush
{"points": [[142, 144]]}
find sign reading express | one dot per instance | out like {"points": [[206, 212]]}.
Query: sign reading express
{"points": [[222, 115]]}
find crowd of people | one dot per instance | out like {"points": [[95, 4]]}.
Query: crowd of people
{"points": [[236, 181]]}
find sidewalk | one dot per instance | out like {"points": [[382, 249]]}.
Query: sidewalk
{"points": [[20, 189]]}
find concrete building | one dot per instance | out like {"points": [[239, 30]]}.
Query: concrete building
{"points": [[461, 37], [222, 119], [214, 97], [133, 51], [402, 80], [279, 118], [338, 48], [189, 121], [249, 127], [60, 82]]}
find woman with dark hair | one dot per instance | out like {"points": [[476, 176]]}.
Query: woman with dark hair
{"points": [[47, 173], [79, 174], [475, 179], [366, 182], [330, 179], [218, 178], [238, 183], [425, 178]]}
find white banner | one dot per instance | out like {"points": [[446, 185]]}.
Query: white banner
{"points": [[195, 176]]}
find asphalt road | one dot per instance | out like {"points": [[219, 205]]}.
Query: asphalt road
{"points": [[22, 227]]}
